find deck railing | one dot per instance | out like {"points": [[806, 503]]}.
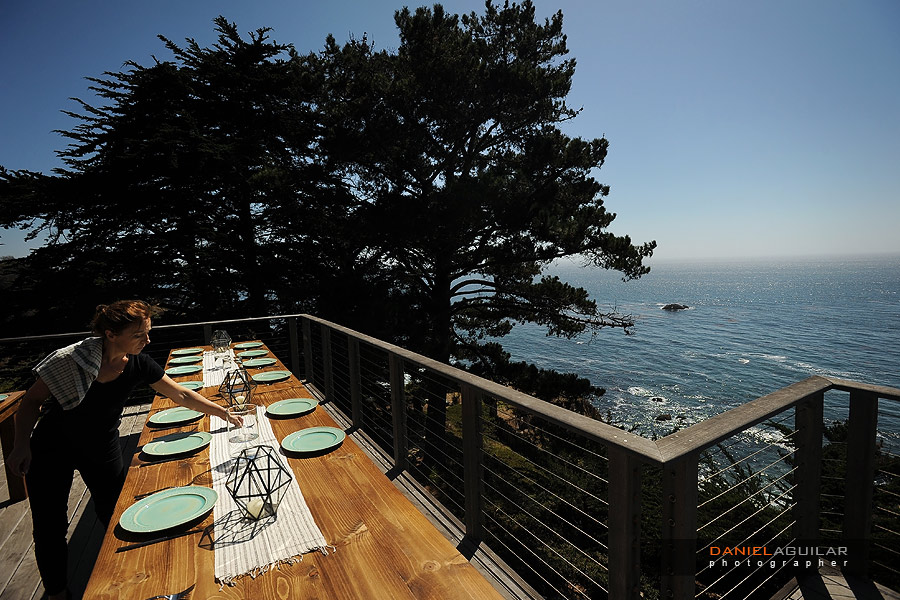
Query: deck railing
{"points": [[580, 509]]}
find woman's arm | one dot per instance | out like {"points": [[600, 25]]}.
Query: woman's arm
{"points": [[26, 416], [184, 397]]}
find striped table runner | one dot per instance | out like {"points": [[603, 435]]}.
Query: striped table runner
{"points": [[214, 375], [244, 547]]}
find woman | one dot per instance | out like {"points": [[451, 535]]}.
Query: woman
{"points": [[79, 395]]}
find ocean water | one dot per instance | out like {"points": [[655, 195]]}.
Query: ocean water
{"points": [[752, 327]]}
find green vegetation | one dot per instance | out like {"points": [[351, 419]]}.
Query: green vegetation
{"points": [[416, 195]]}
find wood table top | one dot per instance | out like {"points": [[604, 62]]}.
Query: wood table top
{"points": [[9, 403], [385, 547]]}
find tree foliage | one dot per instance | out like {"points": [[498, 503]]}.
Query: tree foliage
{"points": [[418, 194], [467, 185], [179, 187]]}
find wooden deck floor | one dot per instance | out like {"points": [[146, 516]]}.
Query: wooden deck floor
{"points": [[831, 585], [19, 578]]}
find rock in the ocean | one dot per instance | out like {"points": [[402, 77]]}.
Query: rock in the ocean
{"points": [[664, 417], [675, 307]]}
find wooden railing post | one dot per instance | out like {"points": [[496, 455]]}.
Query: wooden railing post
{"points": [[355, 375], [295, 346], [326, 363], [808, 457], [679, 527], [308, 374], [624, 525], [398, 410], [473, 472], [861, 454]]}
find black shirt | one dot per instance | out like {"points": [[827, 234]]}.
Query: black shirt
{"points": [[101, 408]]}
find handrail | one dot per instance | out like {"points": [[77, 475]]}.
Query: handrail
{"points": [[881, 391], [590, 428], [708, 432], [659, 452], [53, 336]]}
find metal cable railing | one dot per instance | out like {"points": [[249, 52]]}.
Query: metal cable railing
{"points": [[745, 501], [556, 489], [885, 555], [566, 501], [751, 484]]}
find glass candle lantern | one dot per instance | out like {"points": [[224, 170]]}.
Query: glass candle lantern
{"points": [[220, 341], [258, 481], [237, 387]]}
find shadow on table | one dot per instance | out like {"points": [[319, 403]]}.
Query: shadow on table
{"points": [[233, 528]]}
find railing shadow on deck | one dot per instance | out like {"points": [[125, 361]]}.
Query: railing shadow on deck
{"points": [[560, 505]]}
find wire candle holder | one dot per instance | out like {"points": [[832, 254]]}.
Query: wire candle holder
{"points": [[257, 482], [237, 387]]}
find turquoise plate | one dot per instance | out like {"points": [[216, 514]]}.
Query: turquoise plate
{"points": [[243, 345], [183, 370], [292, 407], [173, 416], [271, 376], [252, 353], [177, 443], [259, 362], [191, 385], [186, 351], [168, 508], [313, 439], [185, 360], [4, 396]]}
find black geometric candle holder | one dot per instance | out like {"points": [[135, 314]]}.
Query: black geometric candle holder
{"points": [[258, 481], [237, 387]]}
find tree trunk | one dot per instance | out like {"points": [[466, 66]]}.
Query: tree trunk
{"points": [[256, 301], [439, 349]]}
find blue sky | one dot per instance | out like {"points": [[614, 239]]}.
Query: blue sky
{"points": [[736, 129]]}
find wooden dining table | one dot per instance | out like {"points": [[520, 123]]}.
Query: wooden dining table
{"points": [[382, 545]]}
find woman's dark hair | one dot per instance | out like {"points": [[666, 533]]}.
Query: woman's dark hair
{"points": [[120, 314]]}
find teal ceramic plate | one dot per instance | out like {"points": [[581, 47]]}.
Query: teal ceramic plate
{"points": [[252, 353], [292, 406], [191, 385], [313, 439], [168, 508], [177, 443], [173, 416], [185, 360], [183, 370], [259, 362], [4, 396], [271, 376], [244, 345], [186, 351]]}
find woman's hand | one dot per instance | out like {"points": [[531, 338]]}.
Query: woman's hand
{"points": [[19, 460], [236, 420], [191, 399]]}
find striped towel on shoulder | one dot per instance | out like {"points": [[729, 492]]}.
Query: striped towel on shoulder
{"points": [[70, 371]]}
